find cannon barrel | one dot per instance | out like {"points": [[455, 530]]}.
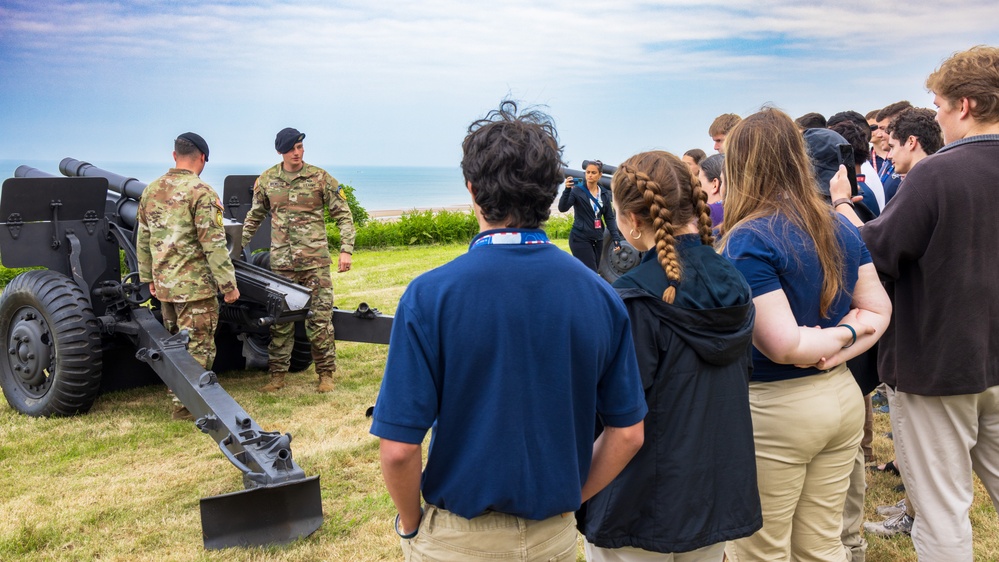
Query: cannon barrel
{"points": [[605, 169], [29, 172], [112, 199], [129, 187], [604, 180]]}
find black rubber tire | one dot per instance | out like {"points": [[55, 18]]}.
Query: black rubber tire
{"points": [[301, 354], [52, 362], [615, 264], [256, 347], [255, 350], [261, 259]]}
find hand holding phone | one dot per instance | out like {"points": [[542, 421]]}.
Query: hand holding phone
{"points": [[847, 159]]}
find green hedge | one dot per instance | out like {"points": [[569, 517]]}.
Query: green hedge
{"points": [[412, 229], [429, 227]]}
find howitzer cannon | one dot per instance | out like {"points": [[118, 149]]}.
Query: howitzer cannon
{"points": [[613, 263], [78, 327]]}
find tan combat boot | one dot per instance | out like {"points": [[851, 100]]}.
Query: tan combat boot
{"points": [[276, 384], [180, 412], [325, 382]]}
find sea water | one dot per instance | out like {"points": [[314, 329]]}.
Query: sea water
{"points": [[376, 188]]}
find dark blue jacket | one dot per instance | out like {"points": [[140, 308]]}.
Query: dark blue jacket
{"points": [[579, 200], [693, 483]]}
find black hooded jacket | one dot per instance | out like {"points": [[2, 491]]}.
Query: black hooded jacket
{"points": [[693, 483]]}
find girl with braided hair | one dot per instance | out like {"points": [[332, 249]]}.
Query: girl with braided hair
{"points": [[818, 303], [692, 486]]}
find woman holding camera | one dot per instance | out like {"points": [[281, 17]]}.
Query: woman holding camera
{"points": [[592, 215]]}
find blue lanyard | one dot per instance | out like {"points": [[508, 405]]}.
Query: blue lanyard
{"points": [[595, 202]]}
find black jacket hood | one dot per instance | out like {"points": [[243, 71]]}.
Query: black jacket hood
{"points": [[719, 336]]}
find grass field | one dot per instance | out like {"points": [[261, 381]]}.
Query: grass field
{"points": [[123, 482]]}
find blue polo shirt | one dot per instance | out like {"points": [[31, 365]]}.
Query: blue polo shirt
{"points": [[775, 254], [509, 352]]}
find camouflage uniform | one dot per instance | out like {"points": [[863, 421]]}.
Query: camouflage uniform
{"points": [[300, 252], [181, 250]]}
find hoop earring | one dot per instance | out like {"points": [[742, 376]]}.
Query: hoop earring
{"points": [[632, 234]]}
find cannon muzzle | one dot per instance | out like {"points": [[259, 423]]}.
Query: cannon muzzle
{"points": [[29, 172], [127, 206], [129, 187]]}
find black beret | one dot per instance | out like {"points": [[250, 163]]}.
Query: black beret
{"points": [[196, 140], [286, 139]]}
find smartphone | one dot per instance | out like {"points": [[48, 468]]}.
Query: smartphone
{"points": [[846, 158]]}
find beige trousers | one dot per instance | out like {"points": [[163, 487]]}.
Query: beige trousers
{"points": [[446, 537], [941, 440], [807, 433]]}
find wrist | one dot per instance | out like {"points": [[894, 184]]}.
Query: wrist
{"points": [[842, 201], [853, 334], [411, 534]]}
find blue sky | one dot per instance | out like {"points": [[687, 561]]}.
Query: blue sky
{"points": [[397, 83]]}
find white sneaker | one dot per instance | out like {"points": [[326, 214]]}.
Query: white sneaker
{"points": [[901, 524], [891, 510]]}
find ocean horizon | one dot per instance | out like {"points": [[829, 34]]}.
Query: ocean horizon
{"points": [[377, 188]]}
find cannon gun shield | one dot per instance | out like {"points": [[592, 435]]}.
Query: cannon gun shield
{"points": [[276, 514]]}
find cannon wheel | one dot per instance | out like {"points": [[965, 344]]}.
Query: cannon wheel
{"points": [[301, 353], [53, 361], [615, 264]]}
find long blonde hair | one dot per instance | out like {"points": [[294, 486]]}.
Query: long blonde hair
{"points": [[768, 172], [660, 190]]}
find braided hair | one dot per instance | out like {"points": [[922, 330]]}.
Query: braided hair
{"points": [[658, 188]]}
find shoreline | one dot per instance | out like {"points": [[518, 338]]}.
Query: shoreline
{"points": [[396, 214]]}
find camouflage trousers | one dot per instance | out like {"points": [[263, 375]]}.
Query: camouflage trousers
{"points": [[199, 318], [319, 328]]}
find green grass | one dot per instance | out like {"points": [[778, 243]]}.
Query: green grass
{"points": [[123, 482]]}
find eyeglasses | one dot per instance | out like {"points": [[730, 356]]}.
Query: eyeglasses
{"points": [[874, 127]]}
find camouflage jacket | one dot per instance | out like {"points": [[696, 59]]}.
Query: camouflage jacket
{"points": [[295, 202], [180, 241]]}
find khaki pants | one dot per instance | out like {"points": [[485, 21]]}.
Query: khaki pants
{"points": [[941, 440], [853, 512], [807, 433], [446, 537], [710, 553]]}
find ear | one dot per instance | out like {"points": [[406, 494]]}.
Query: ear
{"points": [[965, 107], [635, 220], [468, 184], [912, 142]]}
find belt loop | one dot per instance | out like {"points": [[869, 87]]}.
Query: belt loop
{"points": [[429, 512]]}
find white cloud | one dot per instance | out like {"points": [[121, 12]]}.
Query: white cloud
{"points": [[402, 78]]}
